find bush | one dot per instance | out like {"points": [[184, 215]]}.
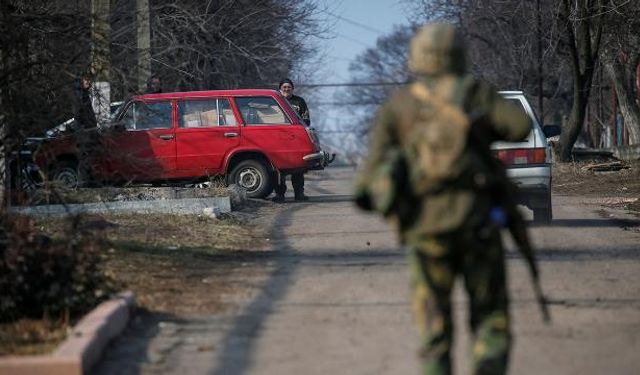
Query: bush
{"points": [[42, 278]]}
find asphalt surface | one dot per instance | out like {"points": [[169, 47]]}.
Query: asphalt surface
{"points": [[332, 298]]}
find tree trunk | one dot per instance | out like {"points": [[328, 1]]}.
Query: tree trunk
{"points": [[4, 181], [576, 120], [626, 99], [144, 43], [583, 22], [3, 150], [101, 58]]}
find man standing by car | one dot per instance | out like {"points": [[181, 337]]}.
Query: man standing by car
{"points": [[85, 117], [431, 172], [154, 86], [297, 179], [85, 121]]}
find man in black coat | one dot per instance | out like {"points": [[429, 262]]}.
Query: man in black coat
{"points": [[84, 115], [297, 179], [85, 120]]}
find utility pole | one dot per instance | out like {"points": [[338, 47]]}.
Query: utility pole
{"points": [[101, 58], [4, 180], [143, 31], [539, 53]]}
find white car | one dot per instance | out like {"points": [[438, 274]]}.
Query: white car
{"points": [[529, 162], [70, 123]]}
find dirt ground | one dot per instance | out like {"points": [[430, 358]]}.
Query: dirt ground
{"points": [[170, 261], [619, 189], [175, 264], [190, 265]]}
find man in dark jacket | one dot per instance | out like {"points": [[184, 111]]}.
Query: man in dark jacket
{"points": [[83, 113], [297, 179], [154, 85]]}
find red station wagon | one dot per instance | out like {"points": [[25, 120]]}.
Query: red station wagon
{"points": [[247, 135]]}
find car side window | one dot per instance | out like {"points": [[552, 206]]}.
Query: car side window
{"points": [[203, 113], [261, 110], [145, 116]]}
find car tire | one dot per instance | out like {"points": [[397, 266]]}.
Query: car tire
{"points": [[65, 173], [253, 176], [543, 214]]}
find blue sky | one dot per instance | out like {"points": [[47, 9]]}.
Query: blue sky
{"points": [[355, 26]]}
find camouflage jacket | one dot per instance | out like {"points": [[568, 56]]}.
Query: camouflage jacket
{"points": [[467, 199]]}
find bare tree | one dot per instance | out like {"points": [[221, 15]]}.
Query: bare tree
{"points": [[384, 64], [621, 59], [513, 45], [46, 44], [583, 20]]}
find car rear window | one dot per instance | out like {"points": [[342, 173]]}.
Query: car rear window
{"points": [[205, 113], [261, 110]]}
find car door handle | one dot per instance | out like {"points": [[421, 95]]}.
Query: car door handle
{"points": [[231, 135], [166, 137]]}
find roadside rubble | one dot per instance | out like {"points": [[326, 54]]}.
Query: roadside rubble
{"points": [[611, 184], [605, 167], [211, 202], [61, 195]]}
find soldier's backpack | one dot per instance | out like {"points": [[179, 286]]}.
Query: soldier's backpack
{"points": [[437, 140]]}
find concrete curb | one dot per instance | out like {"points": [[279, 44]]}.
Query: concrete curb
{"points": [[84, 345], [170, 206]]}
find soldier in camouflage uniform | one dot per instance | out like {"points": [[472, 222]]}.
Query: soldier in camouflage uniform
{"points": [[429, 172]]}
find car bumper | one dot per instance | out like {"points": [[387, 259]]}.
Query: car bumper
{"points": [[531, 178], [534, 185], [318, 160]]}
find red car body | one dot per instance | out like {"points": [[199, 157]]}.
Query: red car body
{"points": [[247, 135]]}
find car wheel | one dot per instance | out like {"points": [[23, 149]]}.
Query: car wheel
{"points": [[65, 173], [543, 214], [253, 176]]}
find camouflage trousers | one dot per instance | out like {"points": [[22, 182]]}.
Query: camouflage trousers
{"points": [[478, 257]]}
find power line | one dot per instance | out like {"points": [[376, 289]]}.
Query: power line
{"points": [[355, 23], [353, 40], [337, 131], [345, 103], [352, 84]]}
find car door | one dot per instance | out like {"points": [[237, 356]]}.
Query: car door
{"points": [[269, 129], [144, 147], [207, 131]]}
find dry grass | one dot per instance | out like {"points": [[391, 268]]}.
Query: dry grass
{"points": [[572, 179], [26, 337], [175, 264]]}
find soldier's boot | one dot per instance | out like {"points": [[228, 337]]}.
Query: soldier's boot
{"points": [[435, 354], [491, 346]]}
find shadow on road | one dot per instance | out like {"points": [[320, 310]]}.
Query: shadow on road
{"points": [[331, 199], [588, 223], [236, 354], [596, 254], [128, 353]]}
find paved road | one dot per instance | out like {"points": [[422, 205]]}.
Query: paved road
{"points": [[333, 299]]}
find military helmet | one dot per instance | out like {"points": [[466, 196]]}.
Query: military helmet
{"points": [[437, 48]]}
